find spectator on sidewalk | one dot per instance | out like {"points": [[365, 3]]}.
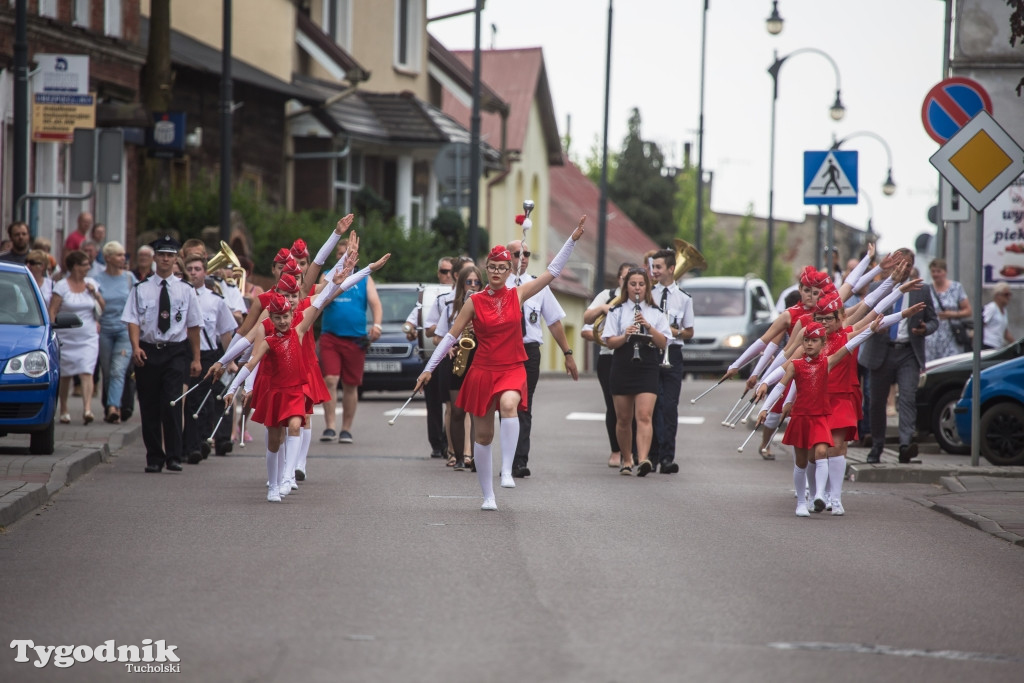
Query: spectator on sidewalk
{"points": [[37, 262], [79, 346], [115, 284], [75, 239], [952, 307], [996, 321], [98, 234], [18, 233], [143, 263]]}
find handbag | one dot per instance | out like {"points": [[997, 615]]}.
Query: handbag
{"points": [[962, 329]]}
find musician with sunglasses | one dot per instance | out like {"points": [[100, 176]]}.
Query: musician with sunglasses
{"points": [[541, 305]]}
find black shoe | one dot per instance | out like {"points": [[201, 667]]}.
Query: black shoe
{"points": [[436, 453], [154, 468], [300, 475], [222, 448], [174, 466], [126, 415], [194, 458], [908, 452], [644, 468], [520, 472], [204, 448], [669, 468], [874, 456], [460, 466]]}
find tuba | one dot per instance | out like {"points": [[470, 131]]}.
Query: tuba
{"points": [[226, 258], [687, 258], [600, 320], [466, 344]]}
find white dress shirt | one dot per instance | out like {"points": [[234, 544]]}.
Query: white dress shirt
{"points": [[217, 318], [678, 308], [143, 309], [541, 305]]}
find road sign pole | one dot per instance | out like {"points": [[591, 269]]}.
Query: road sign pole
{"points": [[979, 234]]}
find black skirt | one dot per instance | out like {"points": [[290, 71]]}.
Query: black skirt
{"points": [[453, 381], [629, 378]]}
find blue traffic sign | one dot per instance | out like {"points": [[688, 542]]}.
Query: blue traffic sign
{"points": [[830, 177], [950, 104]]}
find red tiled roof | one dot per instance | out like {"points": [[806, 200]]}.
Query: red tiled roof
{"points": [[572, 195], [462, 73], [519, 78]]}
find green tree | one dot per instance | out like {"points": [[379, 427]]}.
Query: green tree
{"points": [[642, 187], [591, 166]]}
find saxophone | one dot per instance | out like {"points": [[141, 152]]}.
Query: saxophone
{"points": [[467, 342]]}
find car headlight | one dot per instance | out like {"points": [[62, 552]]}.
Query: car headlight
{"points": [[34, 364], [735, 341]]}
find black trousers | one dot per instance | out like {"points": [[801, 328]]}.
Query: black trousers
{"points": [[666, 409], [604, 373], [435, 416], [159, 382], [532, 365], [198, 429]]}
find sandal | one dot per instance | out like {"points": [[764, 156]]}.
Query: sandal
{"points": [[113, 415], [626, 470], [451, 460], [767, 454], [65, 418], [87, 418]]}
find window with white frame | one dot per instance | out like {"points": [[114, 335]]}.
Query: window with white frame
{"points": [[47, 8], [336, 21], [82, 10], [348, 179], [112, 22], [408, 30]]}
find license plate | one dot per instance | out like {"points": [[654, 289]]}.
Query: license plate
{"points": [[697, 355], [382, 366]]}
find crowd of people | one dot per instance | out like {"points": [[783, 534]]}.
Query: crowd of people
{"points": [[165, 328]]}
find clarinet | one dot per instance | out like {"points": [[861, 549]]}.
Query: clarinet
{"points": [[640, 330]]}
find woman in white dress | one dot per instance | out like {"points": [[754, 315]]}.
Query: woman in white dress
{"points": [[79, 346], [996, 322]]}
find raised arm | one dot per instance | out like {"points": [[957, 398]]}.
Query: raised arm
{"points": [[528, 289], [312, 273]]}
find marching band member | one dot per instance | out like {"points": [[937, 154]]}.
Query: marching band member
{"points": [[635, 371], [497, 378]]}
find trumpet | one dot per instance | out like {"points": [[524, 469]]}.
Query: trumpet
{"points": [[466, 344]]}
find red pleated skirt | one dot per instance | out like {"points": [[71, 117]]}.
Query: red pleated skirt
{"points": [[482, 386], [275, 405], [845, 414], [806, 431], [315, 385]]}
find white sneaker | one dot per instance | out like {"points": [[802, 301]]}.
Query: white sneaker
{"points": [[837, 508], [284, 488], [801, 510], [272, 495], [507, 482], [828, 501], [489, 504]]}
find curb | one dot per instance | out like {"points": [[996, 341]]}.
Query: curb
{"points": [[977, 521], [31, 496]]}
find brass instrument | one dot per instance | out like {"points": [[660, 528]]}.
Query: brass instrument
{"points": [[687, 258], [226, 258], [466, 344], [600, 320], [665, 363]]}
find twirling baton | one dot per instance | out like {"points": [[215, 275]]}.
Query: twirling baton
{"points": [[744, 408], [209, 391], [227, 410], [694, 400], [746, 415], [746, 441], [391, 422], [772, 437], [729, 415], [241, 432], [178, 400]]}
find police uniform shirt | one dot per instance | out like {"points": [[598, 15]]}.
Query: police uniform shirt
{"points": [[621, 317], [678, 307], [541, 305], [217, 318], [442, 306], [143, 309]]}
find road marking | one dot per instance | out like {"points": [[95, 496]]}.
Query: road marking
{"points": [[860, 648], [433, 496], [599, 417]]}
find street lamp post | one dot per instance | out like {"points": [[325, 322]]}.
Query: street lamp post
{"points": [[836, 112], [602, 202], [699, 225]]}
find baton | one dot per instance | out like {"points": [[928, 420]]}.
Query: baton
{"points": [[241, 432], [195, 415], [728, 416], [772, 437], [391, 422], [694, 400], [746, 441], [178, 400], [750, 409], [217, 426], [742, 412]]}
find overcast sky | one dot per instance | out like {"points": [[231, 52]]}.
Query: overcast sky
{"points": [[889, 55]]}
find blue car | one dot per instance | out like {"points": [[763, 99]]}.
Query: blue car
{"points": [[1002, 413], [29, 359]]}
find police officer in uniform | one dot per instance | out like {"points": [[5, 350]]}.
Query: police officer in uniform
{"points": [[678, 307], [214, 336], [541, 305], [163, 320]]}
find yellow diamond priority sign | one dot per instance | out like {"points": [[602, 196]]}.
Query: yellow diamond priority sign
{"points": [[980, 161]]}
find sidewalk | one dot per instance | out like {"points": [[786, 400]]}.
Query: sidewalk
{"points": [[28, 481]]}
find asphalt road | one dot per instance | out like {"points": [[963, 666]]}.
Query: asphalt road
{"points": [[383, 568]]}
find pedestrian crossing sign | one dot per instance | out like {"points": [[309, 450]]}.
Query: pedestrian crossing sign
{"points": [[830, 177]]}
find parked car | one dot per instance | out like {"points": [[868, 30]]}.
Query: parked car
{"points": [[393, 362], [1002, 413], [938, 391], [729, 313], [30, 359]]}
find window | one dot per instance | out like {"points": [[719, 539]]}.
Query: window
{"points": [[408, 27], [81, 17], [348, 179], [336, 20], [47, 8], [112, 18]]}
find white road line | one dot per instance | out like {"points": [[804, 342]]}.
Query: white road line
{"points": [[599, 417]]}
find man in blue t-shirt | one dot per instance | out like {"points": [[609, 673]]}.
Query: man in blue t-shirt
{"points": [[343, 341]]}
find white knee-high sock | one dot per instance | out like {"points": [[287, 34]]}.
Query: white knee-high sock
{"points": [[272, 479], [820, 477], [836, 474], [484, 469], [509, 440], [810, 482], [307, 435], [800, 484], [286, 472]]}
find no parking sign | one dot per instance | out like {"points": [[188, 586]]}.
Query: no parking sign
{"points": [[950, 105]]}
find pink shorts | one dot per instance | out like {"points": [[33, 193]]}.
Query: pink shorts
{"points": [[342, 357]]}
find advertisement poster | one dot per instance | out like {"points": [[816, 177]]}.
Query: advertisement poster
{"points": [[1003, 250]]}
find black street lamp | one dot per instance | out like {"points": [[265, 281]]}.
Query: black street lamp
{"points": [[836, 111], [774, 22]]}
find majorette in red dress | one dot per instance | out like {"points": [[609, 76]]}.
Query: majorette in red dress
{"points": [[280, 391], [797, 314], [808, 421], [843, 388], [498, 362]]}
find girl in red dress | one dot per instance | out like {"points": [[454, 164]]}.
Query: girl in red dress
{"points": [[497, 378]]}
